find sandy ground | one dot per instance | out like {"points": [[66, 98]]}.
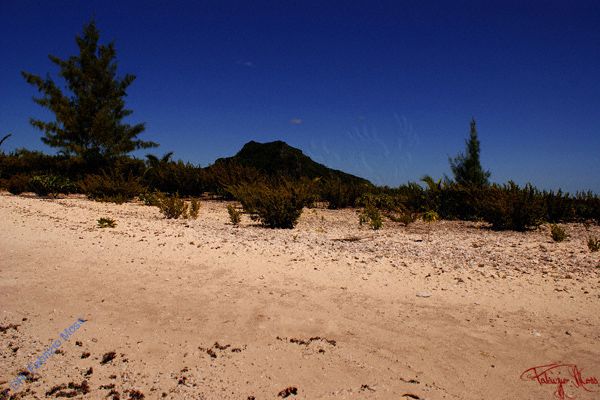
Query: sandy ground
{"points": [[200, 309]]}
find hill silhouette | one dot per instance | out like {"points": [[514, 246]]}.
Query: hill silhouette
{"points": [[280, 159]]}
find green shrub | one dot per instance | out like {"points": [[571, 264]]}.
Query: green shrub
{"points": [[234, 215], [166, 175], [465, 203], [339, 194], [558, 234], [194, 209], [150, 198], [593, 244], [430, 216], [510, 207], [173, 207], [276, 204], [17, 184], [106, 223], [50, 185], [382, 201], [113, 187], [405, 218], [559, 207], [372, 216]]}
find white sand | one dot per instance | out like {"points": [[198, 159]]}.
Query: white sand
{"points": [[160, 293]]}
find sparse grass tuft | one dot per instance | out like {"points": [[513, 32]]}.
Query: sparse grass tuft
{"points": [[234, 215], [430, 216], [594, 244], [405, 218], [106, 223], [194, 209], [558, 234]]}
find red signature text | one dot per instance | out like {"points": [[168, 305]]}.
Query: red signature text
{"points": [[567, 378]]}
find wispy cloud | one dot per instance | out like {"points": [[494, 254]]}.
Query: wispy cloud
{"points": [[296, 121], [246, 63]]}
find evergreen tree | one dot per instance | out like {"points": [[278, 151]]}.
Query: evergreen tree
{"points": [[467, 167], [89, 117]]}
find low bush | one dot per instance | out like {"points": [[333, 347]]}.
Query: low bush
{"points": [[558, 234], [173, 207], [51, 185], [18, 184], [150, 198], [276, 204], [593, 244], [113, 187], [106, 223], [234, 215], [372, 216], [405, 218], [430, 216], [510, 207]]}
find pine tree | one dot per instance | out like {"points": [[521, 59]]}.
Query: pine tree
{"points": [[467, 167], [89, 117]]}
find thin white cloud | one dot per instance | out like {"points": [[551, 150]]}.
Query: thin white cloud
{"points": [[296, 121], [246, 63]]}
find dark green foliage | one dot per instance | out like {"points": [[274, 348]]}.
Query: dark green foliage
{"points": [[89, 117], [382, 201], [234, 215], [114, 187], [559, 207], [339, 193], [225, 174], [34, 163], [413, 197], [106, 223], [593, 244], [275, 203], [462, 202], [558, 234], [513, 208], [17, 184], [173, 207], [172, 177], [51, 185], [466, 167], [587, 207]]}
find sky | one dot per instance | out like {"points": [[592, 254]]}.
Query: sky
{"points": [[383, 90]]}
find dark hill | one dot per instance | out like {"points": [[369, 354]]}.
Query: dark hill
{"points": [[279, 158]]}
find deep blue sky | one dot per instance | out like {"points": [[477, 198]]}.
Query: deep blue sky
{"points": [[384, 90]]}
